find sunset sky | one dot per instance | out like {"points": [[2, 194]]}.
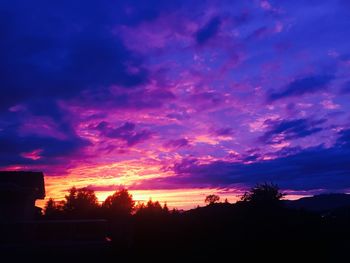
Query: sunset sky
{"points": [[177, 99]]}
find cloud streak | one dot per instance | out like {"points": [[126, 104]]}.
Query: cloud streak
{"points": [[299, 87]]}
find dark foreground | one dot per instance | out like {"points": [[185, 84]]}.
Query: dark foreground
{"points": [[220, 232]]}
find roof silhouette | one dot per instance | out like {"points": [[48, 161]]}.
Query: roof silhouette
{"points": [[23, 181]]}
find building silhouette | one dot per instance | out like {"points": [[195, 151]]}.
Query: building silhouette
{"points": [[18, 192]]}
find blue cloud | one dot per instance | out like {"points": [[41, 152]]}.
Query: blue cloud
{"points": [[299, 87], [308, 169], [280, 130], [52, 150], [59, 51], [208, 31], [346, 88]]}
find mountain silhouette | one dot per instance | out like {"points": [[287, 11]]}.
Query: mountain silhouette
{"points": [[320, 203]]}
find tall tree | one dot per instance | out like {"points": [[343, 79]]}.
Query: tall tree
{"points": [[119, 204], [80, 202]]}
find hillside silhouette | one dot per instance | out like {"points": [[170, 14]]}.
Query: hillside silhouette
{"points": [[321, 203]]}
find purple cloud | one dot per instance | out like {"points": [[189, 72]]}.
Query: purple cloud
{"points": [[125, 132], [177, 143]]}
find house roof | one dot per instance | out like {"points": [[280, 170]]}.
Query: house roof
{"points": [[23, 181]]}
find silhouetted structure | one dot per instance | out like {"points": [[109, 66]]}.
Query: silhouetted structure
{"points": [[18, 192]]}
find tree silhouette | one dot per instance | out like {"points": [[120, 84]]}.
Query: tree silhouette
{"points": [[152, 209], [119, 204], [50, 207], [263, 193], [165, 208], [212, 199], [80, 202], [53, 209]]}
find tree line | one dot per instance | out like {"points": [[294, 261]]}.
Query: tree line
{"points": [[82, 203]]}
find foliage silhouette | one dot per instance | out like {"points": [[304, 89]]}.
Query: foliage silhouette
{"points": [[265, 193], [211, 199], [81, 203], [119, 204], [152, 209], [53, 210]]}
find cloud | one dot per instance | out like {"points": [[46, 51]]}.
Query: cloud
{"points": [[223, 132], [125, 132], [178, 143], [344, 138], [42, 127], [57, 54], [135, 99], [208, 31], [309, 169], [280, 130], [346, 88], [59, 60], [299, 87], [49, 150], [82, 81]]}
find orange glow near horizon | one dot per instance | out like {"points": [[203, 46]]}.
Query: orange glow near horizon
{"points": [[186, 198], [56, 188], [105, 179]]}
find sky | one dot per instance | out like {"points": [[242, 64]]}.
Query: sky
{"points": [[175, 100]]}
